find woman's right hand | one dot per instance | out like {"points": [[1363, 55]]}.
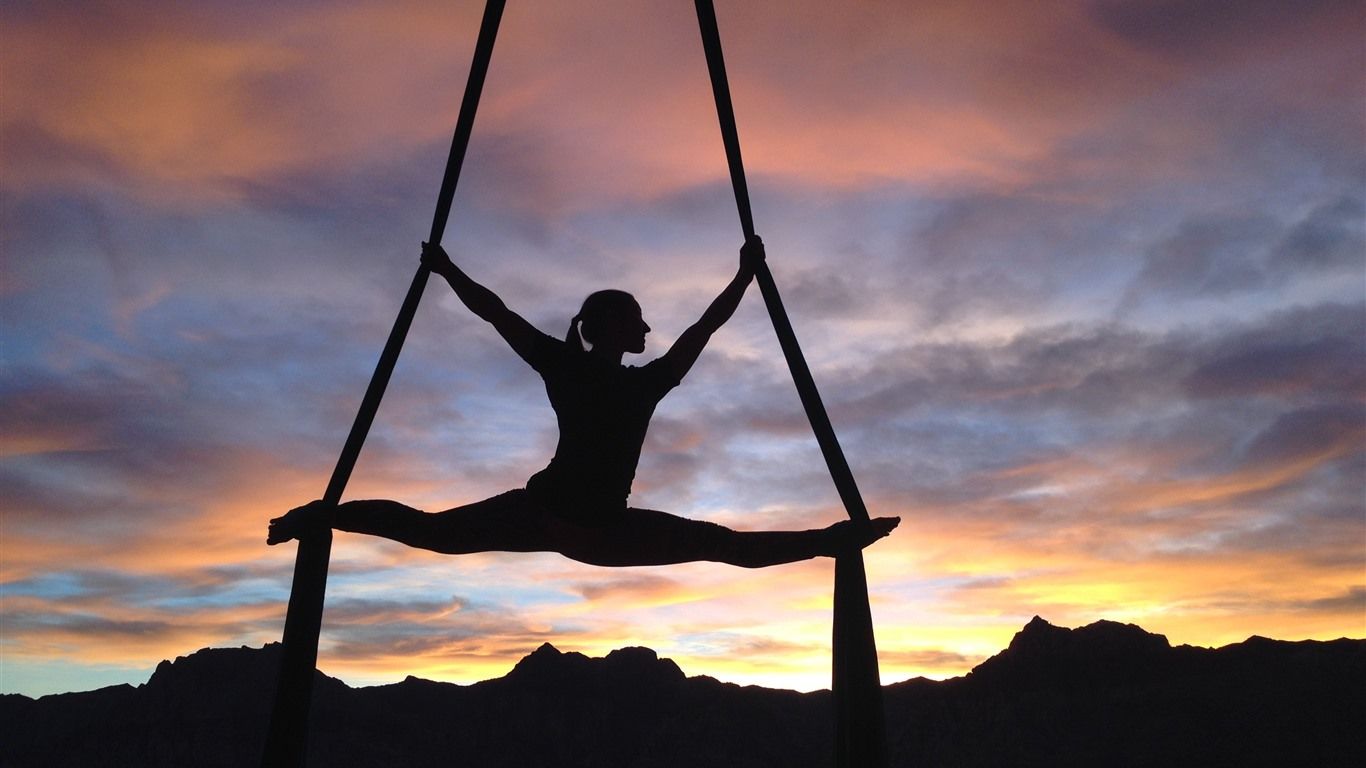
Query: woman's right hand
{"points": [[752, 254], [434, 257], [312, 518]]}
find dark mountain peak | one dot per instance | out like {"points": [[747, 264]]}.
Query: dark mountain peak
{"points": [[211, 668], [1044, 653], [1108, 637], [180, 684], [633, 655], [546, 648], [546, 660], [547, 665], [1039, 633], [1114, 632], [643, 662]]}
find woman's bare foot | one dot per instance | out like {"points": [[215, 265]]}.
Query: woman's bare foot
{"points": [[300, 521], [852, 535]]}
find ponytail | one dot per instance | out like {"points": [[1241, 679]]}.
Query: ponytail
{"points": [[572, 338]]}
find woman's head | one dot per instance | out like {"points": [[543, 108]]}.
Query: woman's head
{"points": [[610, 319]]}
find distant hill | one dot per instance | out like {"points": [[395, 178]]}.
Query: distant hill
{"points": [[1105, 694]]}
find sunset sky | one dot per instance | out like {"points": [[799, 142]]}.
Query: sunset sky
{"points": [[1083, 285]]}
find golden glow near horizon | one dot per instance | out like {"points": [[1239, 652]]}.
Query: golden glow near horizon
{"points": [[1093, 333]]}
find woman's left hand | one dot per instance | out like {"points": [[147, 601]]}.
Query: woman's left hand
{"points": [[434, 257], [752, 254]]}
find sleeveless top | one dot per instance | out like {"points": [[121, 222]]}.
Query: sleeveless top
{"points": [[603, 409]]}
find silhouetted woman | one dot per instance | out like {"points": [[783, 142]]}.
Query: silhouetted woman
{"points": [[577, 505]]}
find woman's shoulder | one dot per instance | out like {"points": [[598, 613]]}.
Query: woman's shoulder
{"points": [[550, 352], [658, 373]]}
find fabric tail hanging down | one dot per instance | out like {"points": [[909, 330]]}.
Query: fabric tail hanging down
{"points": [[287, 738], [860, 726]]}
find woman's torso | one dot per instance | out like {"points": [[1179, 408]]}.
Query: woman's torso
{"points": [[603, 410]]}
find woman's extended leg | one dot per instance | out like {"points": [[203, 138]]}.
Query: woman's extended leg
{"points": [[651, 537], [504, 523]]}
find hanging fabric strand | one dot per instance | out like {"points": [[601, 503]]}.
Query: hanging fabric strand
{"points": [[286, 741], [860, 728]]}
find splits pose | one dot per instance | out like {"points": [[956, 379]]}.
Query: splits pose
{"points": [[577, 505]]}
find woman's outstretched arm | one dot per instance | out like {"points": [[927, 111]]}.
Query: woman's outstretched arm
{"points": [[525, 340], [684, 352]]}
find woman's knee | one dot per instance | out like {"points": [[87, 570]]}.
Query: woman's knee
{"points": [[671, 539]]}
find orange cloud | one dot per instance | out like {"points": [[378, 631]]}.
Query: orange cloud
{"points": [[185, 102]]}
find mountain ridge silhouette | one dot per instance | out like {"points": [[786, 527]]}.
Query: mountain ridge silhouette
{"points": [[1106, 693]]}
